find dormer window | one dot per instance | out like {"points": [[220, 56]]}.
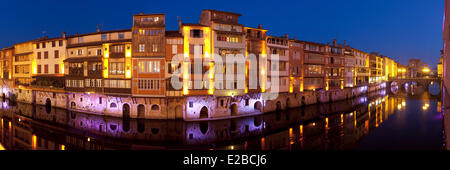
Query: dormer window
{"points": [[196, 33]]}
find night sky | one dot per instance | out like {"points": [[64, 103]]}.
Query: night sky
{"points": [[400, 29]]}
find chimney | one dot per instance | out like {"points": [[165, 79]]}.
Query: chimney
{"points": [[295, 38], [334, 42], [345, 42], [141, 13], [259, 26], [64, 35], [286, 35], [179, 25]]}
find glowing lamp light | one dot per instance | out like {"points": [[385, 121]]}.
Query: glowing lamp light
{"points": [[128, 74], [426, 70]]}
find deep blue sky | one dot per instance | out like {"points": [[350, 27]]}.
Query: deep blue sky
{"points": [[401, 29]]}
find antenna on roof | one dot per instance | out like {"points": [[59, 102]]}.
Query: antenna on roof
{"points": [[99, 27]]}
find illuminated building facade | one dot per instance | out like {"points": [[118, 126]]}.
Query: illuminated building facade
{"points": [[148, 55], [296, 54], [95, 62], [390, 68], [256, 44], [335, 67], [361, 67], [23, 63], [226, 36], [440, 66], [174, 47], [48, 65], [127, 73], [278, 46], [376, 68], [314, 65], [415, 67]]}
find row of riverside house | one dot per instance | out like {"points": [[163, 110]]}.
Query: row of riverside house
{"points": [[126, 73]]}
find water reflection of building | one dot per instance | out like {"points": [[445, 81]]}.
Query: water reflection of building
{"points": [[329, 126]]}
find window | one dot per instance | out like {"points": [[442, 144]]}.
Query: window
{"points": [[37, 46], [149, 66], [46, 69], [174, 49], [74, 83], [60, 43], [141, 48], [56, 68], [118, 49], [53, 43], [39, 69], [155, 48], [117, 83], [191, 104], [56, 54], [121, 36], [39, 55], [116, 68], [113, 105], [99, 100], [80, 52], [196, 33], [314, 69], [148, 84], [192, 49], [46, 55], [43, 45], [104, 37], [80, 39], [93, 82]]}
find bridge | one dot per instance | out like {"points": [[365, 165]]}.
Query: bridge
{"points": [[422, 82]]}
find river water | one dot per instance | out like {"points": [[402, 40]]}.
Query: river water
{"points": [[376, 121]]}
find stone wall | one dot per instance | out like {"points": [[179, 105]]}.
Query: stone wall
{"points": [[24, 95], [186, 108], [55, 99]]}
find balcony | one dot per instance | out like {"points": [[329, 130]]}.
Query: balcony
{"points": [[95, 73], [76, 71]]}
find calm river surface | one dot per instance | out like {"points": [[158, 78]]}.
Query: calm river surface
{"points": [[377, 121]]}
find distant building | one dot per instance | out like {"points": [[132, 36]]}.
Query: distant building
{"points": [[440, 66], [414, 68]]}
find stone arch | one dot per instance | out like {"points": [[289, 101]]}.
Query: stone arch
{"points": [[48, 105], [126, 111], [141, 111], [113, 105], [73, 105], [155, 107], [179, 112], [234, 109], [204, 112], [258, 106]]}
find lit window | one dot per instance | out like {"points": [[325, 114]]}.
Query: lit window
{"points": [[141, 48]]}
